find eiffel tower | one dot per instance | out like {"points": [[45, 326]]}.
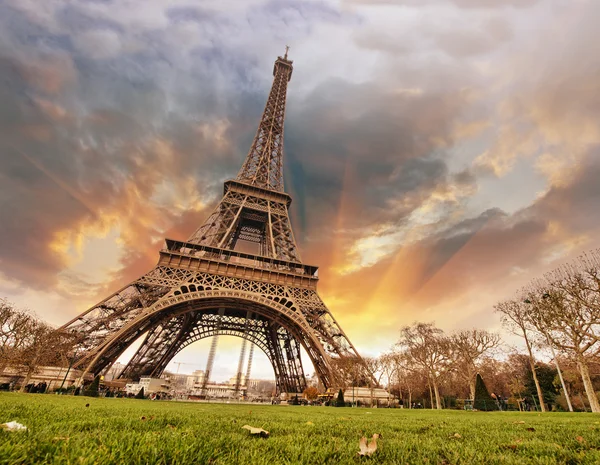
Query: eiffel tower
{"points": [[209, 286]]}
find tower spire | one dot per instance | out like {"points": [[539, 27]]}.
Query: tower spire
{"points": [[263, 166]]}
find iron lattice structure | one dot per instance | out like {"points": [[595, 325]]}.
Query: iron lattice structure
{"points": [[206, 286]]}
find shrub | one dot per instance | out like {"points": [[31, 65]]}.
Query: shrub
{"points": [[340, 399], [92, 391], [483, 399]]}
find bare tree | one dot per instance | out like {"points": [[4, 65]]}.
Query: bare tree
{"points": [[566, 314], [14, 333], [469, 347], [27, 343], [516, 318], [37, 349], [351, 371], [427, 347], [388, 369], [580, 281], [376, 369], [388, 366], [404, 376]]}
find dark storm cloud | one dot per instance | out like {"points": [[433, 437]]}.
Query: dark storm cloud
{"points": [[574, 205], [471, 264], [488, 248], [93, 123], [75, 139], [376, 153]]}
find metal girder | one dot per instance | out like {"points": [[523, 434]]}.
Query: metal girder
{"points": [[226, 224]]}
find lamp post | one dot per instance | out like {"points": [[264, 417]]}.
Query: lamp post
{"points": [[562, 381]]}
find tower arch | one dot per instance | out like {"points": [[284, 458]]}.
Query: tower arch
{"points": [[280, 331]]}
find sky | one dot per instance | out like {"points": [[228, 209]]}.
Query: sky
{"points": [[440, 153]]}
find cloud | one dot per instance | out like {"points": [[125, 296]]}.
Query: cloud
{"points": [[466, 4], [100, 132], [407, 129], [99, 44]]}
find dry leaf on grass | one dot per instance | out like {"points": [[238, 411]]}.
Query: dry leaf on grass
{"points": [[61, 438], [13, 426], [456, 435], [258, 431], [519, 422], [309, 423], [579, 439], [530, 429], [367, 449]]}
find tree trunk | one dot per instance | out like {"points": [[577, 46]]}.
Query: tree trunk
{"points": [[587, 382], [30, 371], [409, 398], [472, 388], [438, 402], [535, 378], [430, 395]]}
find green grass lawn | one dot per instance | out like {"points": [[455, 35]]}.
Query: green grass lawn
{"points": [[128, 431]]}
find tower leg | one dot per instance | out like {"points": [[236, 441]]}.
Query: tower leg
{"points": [[211, 354], [159, 347], [249, 368], [238, 376]]}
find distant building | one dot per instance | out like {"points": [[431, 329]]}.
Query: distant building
{"points": [[114, 371], [177, 381], [52, 376], [150, 385], [363, 395], [198, 375], [233, 380], [193, 386], [217, 391]]}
